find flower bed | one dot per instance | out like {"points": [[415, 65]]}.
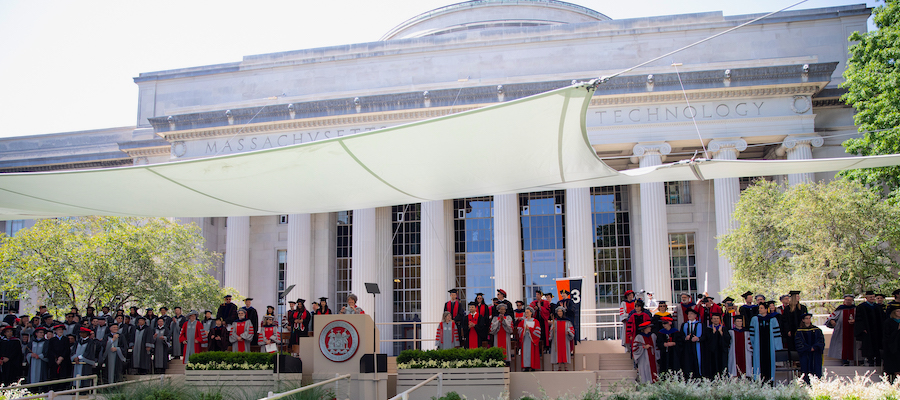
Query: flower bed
{"points": [[473, 373], [228, 361], [451, 358]]}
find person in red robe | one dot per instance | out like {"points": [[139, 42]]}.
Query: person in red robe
{"points": [[192, 336], [843, 343], [706, 309], [740, 355], [269, 334], [632, 325], [541, 314], [529, 330], [644, 350], [472, 341]]}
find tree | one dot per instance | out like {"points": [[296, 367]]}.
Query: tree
{"points": [[873, 84], [114, 261], [825, 239]]}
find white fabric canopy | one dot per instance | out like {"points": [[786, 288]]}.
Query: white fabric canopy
{"points": [[531, 144]]}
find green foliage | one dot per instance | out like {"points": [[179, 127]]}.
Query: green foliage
{"points": [[112, 261], [170, 390], [824, 239], [210, 357], [494, 353], [873, 84], [448, 396]]}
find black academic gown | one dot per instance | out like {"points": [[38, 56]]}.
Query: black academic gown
{"points": [[59, 347], [12, 369], [228, 311], [669, 357], [891, 346], [868, 330], [748, 312], [810, 345], [790, 322], [221, 344], [717, 352], [253, 316], [692, 361]]}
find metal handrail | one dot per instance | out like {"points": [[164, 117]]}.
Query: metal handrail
{"points": [[440, 388], [51, 394], [31, 385], [272, 395]]}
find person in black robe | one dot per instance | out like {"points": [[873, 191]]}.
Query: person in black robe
{"points": [[11, 355], [218, 337], [252, 314], [58, 355], [85, 355], [891, 336], [810, 344], [791, 318], [695, 337], [483, 326], [717, 346], [868, 329], [457, 311], [323, 307], [729, 310], [668, 342], [227, 311], [502, 299]]}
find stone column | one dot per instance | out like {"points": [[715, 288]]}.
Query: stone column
{"points": [[298, 269], [580, 251], [656, 273], [800, 148], [324, 256], [237, 255], [373, 262], [507, 248], [728, 192], [436, 265]]}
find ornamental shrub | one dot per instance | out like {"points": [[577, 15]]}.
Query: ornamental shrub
{"points": [[482, 354], [232, 358]]}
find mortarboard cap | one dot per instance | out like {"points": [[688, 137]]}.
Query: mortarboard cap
{"points": [[880, 294], [227, 296], [548, 294], [538, 290], [564, 291], [113, 324], [149, 308], [646, 324], [666, 319], [691, 310], [747, 293], [501, 291], [663, 303], [793, 292], [737, 316], [896, 294], [39, 329], [164, 308], [5, 328], [727, 299], [292, 302], [60, 326], [479, 294], [323, 298], [520, 302], [84, 330], [248, 299], [806, 315], [301, 301], [495, 299], [472, 303], [454, 290], [627, 292], [90, 308], [870, 293]]}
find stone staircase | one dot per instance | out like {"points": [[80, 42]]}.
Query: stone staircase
{"points": [[615, 368]]}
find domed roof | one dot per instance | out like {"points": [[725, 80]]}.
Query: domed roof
{"points": [[488, 14]]}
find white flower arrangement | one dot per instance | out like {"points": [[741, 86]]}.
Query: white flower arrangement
{"points": [[13, 393], [224, 366], [419, 364]]}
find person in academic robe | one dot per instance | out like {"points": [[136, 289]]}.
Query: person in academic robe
{"points": [[843, 343], [636, 317], [350, 308], [717, 347], [483, 325], [11, 357], [706, 309], [565, 301], [729, 310], [178, 321], [84, 356], [242, 333], [323, 307], [227, 311], [101, 329], [502, 299], [643, 349], [501, 329], [625, 308], [208, 323], [73, 322], [253, 314], [160, 345], [59, 353], [457, 310], [37, 356], [218, 337], [191, 336], [749, 309], [562, 340], [740, 354], [529, 330], [868, 329], [669, 345], [447, 335], [765, 340], [472, 339], [269, 335], [879, 304], [114, 348], [662, 311], [792, 316], [541, 314], [519, 311], [681, 310], [810, 344], [303, 317], [695, 336], [891, 336], [291, 314]]}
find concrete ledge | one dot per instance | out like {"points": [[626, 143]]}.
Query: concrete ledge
{"points": [[554, 384]]}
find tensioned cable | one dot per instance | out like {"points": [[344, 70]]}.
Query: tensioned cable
{"points": [[693, 111], [247, 123]]}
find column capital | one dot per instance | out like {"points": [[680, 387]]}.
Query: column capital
{"points": [[736, 144], [660, 148], [793, 141]]}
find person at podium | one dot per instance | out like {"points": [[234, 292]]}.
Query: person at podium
{"points": [[351, 307]]}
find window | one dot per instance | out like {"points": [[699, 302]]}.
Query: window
{"points": [[748, 181], [344, 268], [473, 227], [282, 261], [678, 192], [683, 264], [612, 248], [14, 226], [282, 219], [407, 294], [542, 222]]}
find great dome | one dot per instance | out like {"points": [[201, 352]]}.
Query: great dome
{"points": [[492, 14]]}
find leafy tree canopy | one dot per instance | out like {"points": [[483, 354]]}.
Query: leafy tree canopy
{"points": [[825, 239], [114, 261], [873, 84]]}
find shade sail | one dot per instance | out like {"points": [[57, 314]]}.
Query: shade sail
{"points": [[530, 144]]}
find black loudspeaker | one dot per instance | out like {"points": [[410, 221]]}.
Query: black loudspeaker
{"points": [[289, 364], [366, 367]]}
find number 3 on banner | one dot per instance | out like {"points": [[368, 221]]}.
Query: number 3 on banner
{"points": [[576, 296]]}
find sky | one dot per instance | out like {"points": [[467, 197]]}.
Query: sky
{"points": [[68, 65]]}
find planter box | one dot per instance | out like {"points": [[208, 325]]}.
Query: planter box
{"points": [[474, 383], [229, 378]]}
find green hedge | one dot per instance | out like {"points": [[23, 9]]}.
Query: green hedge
{"points": [[232, 358], [494, 353]]}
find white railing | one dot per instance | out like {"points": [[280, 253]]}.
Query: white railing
{"points": [[417, 329], [440, 387], [273, 396], [77, 391]]}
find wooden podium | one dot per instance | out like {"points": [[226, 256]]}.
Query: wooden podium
{"points": [[340, 343]]}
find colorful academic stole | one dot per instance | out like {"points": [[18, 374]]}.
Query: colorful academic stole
{"points": [[452, 307], [562, 328], [740, 359], [241, 328], [651, 355], [503, 338], [473, 335], [267, 332], [440, 332]]}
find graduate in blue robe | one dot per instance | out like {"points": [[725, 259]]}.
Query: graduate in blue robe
{"points": [[692, 362], [810, 344], [765, 337]]}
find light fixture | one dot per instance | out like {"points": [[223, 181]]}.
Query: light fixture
{"points": [[543, 276], [396, 281]]}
